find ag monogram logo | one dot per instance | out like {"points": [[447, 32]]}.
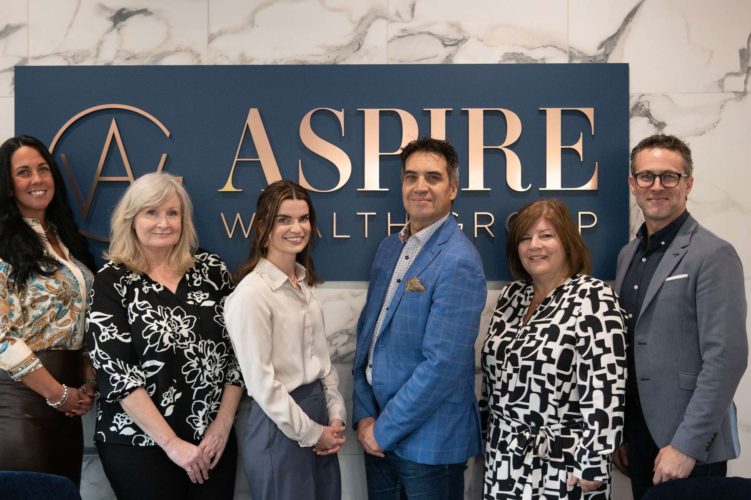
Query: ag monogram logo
{"points": [[85, 201]]}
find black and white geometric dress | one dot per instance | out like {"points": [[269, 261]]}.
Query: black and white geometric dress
{"points": [[553, 390]]}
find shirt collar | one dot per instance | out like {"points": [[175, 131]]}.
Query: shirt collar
{"points": [[424, 234], [36, 225], [275, 277], [663, 237]]}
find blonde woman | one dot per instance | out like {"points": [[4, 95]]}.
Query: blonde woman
{"points": [[169, 383]]}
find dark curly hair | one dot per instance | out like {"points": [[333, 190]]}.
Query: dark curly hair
{"points": [[20, 246]]}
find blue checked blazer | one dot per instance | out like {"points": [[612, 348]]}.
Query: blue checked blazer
{"points": [[423, 395]]}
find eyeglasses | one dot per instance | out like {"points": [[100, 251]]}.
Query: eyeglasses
{"points": [[667, 179]]}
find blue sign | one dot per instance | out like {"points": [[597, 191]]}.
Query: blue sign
{"points": [[523, 132]]}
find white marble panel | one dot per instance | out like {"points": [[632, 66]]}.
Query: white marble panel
{"points": [[716, 127], [341, 309], [481, 31], [117, 32], [297, 32], [354, 484], [7, 118], [671, 45], [13, 41], [597, 28]]}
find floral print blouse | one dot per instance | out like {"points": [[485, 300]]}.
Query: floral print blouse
{"points": [[48, 313], [174, 345]]}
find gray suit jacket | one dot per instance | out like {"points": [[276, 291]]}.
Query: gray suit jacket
{"points": [[690, 346]]}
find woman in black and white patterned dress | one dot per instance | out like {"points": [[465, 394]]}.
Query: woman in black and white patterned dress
{"points": [[168, 380], [554, 367]]}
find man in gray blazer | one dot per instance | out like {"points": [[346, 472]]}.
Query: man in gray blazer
{"points": [[682, 289]]}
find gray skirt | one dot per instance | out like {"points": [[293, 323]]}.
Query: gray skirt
{"points": [[277, 467]]}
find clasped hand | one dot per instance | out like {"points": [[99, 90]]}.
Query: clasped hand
{"points": [[79, 401], [366, 437], [190, 457], [331, 440]]}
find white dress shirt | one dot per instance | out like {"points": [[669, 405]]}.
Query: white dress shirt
{"points": [[278, 334]]}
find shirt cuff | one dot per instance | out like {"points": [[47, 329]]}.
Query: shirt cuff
{"points": [[18, 359], [310, 438]]}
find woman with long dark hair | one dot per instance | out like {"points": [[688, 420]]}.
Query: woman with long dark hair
{"points": [[296, 421], [46, 381]]}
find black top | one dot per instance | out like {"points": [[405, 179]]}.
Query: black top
{"points": [[634, 287], [175, 345]]}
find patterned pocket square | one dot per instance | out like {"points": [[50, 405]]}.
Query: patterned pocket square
{"points": [[414, 285]]}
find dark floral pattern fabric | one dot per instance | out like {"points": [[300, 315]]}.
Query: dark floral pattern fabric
{"points": [[174, 345]]}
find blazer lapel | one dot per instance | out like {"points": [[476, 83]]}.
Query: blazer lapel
{"points": [[624, 263], [381, 281], [672, 257], [427, 254]]}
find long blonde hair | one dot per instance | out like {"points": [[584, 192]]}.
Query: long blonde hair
{"points": [[149, 191]]}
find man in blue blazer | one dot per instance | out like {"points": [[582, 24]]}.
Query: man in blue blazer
{"points": [[414, 397], [683, 292]]}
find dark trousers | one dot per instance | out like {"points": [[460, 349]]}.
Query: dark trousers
{"points": [[147, 473], [277, 467], [642, 452], [394, 478]]}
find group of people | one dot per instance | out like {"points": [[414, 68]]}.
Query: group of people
{"points": [[576, 375]]}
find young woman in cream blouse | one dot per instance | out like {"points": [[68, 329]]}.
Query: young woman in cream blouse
{"points": [[296, 422]]}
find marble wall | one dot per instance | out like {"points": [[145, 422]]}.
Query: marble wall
{"points": [[689, 67]]}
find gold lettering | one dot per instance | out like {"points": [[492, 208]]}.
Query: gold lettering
{"points": [[365, 219], [553, 149], [389, 225], [477, 147], [587, 226], [238, 220], [260, 139], [372, 143], [334, 233], [324, 149], [438, 122], [487, 226]]}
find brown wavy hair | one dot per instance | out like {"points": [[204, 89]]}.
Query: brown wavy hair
{"points": [[555, 212], [267, 209]]}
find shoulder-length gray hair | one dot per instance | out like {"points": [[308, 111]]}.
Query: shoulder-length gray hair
{"points": [[150, 191]]}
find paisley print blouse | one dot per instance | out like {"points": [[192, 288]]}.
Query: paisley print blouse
{"points": [[48, 314]]}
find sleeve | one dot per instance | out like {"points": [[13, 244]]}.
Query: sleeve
{"points": [[601, 380], [249, 323], [448, 349], [721, 324], [16, 357], [334, 400], [232, 373], [108, 339]]}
